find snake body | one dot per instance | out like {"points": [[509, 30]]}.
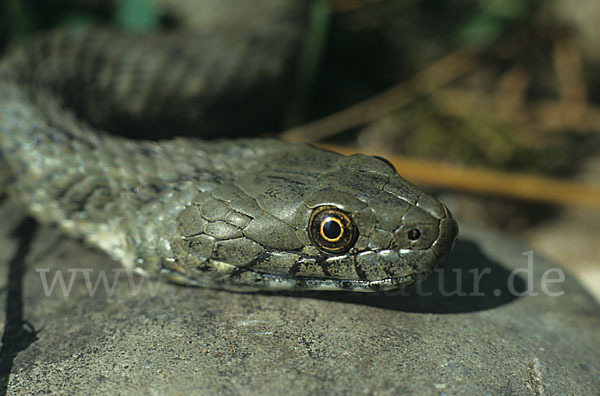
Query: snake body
{"points": [[238, 214]]}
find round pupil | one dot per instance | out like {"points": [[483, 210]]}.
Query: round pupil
{"points": [[331, 229], [414, 234]]}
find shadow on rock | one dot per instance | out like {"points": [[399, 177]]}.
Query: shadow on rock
{"points": [[468, 281], [18, 334]]}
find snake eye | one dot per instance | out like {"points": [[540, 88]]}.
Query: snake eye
{"points": [[332, 230]]}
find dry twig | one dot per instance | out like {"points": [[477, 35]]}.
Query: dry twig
{"points": [[482, 181]]}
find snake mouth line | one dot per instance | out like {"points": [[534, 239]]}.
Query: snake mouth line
{"points": [[288, 282]]}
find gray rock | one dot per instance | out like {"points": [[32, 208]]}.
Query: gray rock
{"points": [[177, 340]]}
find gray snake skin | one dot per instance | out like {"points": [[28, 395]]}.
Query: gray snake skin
{"points": [[237, 214]]}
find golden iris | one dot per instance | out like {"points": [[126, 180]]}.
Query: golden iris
{"points": [[332, 230]]}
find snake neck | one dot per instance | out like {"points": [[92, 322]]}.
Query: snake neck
{"points": [[104, 188]]}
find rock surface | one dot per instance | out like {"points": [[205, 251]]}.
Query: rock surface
{"points": [[169, 340]]}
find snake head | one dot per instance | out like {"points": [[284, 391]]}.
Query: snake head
{"points": [[313, 219]]}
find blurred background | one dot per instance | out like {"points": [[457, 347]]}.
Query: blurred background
{"points": [[493, 105]]}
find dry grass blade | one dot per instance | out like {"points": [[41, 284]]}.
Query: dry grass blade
{"points": [[569, 69], [438, 74], [531, 188]]}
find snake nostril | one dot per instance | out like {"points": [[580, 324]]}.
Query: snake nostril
{"points": [[414, 234]]}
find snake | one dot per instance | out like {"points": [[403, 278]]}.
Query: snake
{"points": [[240, 214]]}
